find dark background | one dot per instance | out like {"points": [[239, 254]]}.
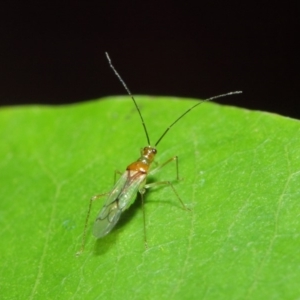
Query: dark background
{"points": [[53, 53]]}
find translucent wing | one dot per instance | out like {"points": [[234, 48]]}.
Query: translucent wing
{"points": [[121, 197]]}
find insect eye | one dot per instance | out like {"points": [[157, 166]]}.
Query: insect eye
{"points": [[154, 151]]}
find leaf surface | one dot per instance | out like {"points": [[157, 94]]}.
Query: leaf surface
{"points": [[241, 174]]}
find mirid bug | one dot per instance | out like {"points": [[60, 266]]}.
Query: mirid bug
{"points": [[134, 179]]}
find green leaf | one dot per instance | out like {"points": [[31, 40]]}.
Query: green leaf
{"points": [[241, 174]]}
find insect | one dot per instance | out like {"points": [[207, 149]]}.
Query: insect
{"points": [[134, 179]]}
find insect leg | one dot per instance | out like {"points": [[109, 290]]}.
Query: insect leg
{"points": [[115, 177], [151, 185], [87, 220], [142, 192], [157, 169], [169, 183]]}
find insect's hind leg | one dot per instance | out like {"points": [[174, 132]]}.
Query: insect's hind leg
{"points": [[87, 220]]}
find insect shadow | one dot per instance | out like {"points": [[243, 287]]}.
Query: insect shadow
{"points": [[103, 245]]}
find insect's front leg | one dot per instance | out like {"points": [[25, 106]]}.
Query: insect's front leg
{"points": [[157, 169], [169, 183], [117, 172]]}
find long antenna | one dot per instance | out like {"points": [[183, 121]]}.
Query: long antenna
{"points": [[209, 99], [129, 93]]}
